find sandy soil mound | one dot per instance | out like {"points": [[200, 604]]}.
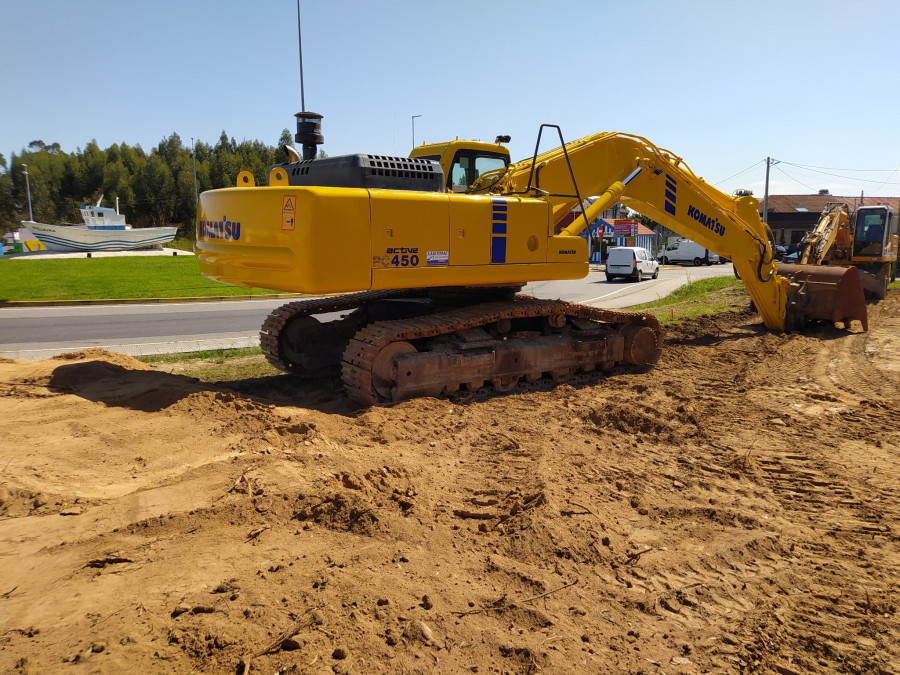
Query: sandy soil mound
{"points": [[734, 510]]}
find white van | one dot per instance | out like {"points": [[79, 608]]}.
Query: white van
{"points": [[630, 262], [686, 252]]}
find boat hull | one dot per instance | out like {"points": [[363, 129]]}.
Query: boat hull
{"points": [[74, 238]]}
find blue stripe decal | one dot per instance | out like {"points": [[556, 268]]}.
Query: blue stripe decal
{"points": [[498, 230], [498, 249], [671, 189]]}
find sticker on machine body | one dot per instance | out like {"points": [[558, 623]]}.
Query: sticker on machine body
{"points": [[288, 212], [437, 258]]}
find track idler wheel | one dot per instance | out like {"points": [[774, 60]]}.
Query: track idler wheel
{"points": [[641, 348], [824, 292], [384, 368]]}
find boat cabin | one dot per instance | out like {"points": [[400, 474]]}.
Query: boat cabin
{"points": [[103, 218]]}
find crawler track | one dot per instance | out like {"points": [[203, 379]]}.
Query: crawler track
{"points": [[463, 348], [444, 351], [270, 335]]}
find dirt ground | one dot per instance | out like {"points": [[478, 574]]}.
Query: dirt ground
{"points": [[734, 510]]}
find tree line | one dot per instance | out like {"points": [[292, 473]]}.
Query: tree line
{"points": [[153, 189]]}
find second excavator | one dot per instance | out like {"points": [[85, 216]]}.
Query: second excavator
{"points": [[424, 257], [865, 238]]}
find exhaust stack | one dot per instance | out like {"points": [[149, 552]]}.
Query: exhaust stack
{"points": [[309, 133]]}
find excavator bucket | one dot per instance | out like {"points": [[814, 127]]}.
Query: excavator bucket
{"points": [[823, 292], [875, 285]]}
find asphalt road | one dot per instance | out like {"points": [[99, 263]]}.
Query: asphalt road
{"points": [[163, 328]]}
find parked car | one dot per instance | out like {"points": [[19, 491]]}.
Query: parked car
{"points": [[688, 252], [630, 262], [779, 252]]}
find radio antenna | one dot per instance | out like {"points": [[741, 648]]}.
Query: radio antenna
{"points": [[309, 124], [300, 44]]}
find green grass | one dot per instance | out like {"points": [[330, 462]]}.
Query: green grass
{"points": [[699, 298], [218, 355], [217, 365], [110, 279], [182, 244]]}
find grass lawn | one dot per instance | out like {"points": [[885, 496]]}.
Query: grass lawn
{"points": [[699, 298], [110, 279]]}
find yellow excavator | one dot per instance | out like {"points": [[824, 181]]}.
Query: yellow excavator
{"points": [[865, 238], [424, 257]]}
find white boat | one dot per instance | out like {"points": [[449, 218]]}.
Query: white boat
{"points": [[104, 229]]}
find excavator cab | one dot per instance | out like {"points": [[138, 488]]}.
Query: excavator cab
{"points": [[464, 161], [873, 232]]}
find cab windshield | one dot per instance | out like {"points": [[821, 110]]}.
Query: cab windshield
{"points": [[869, 233], [468, 165]]}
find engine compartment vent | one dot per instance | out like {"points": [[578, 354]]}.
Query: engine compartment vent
{"points": [[368, 171]]}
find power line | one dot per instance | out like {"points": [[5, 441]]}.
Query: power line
{"points": [[811, 189], [740, 172], [832, 168], [850, 178]]}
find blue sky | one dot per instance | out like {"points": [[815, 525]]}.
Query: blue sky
{"points": [[722, 84]]}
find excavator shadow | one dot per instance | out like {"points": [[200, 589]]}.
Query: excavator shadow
{"points": [[325, 394], [115, 385], [153, 391]]}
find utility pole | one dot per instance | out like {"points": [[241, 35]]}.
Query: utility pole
{"points": [[414, 129], [769, 163], [28, 189]]}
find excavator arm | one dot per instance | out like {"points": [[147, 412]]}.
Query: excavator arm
{"points": [[657, 183]]}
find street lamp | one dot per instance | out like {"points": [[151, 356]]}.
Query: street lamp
{"points": [[28, 188], [414, 129], [194, 161]]}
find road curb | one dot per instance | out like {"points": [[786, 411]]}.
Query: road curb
{"points": [[148, 301]]}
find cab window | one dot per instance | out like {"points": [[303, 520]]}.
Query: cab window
{"points": [[468, 165], [459, 173], [870, 234]]}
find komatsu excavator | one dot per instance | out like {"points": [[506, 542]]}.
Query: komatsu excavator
{"points": [[865, 238], [428, 253]]}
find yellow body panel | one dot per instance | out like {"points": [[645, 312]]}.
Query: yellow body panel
{"points": [[479, 223], [308, 240], [322, 240]]}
